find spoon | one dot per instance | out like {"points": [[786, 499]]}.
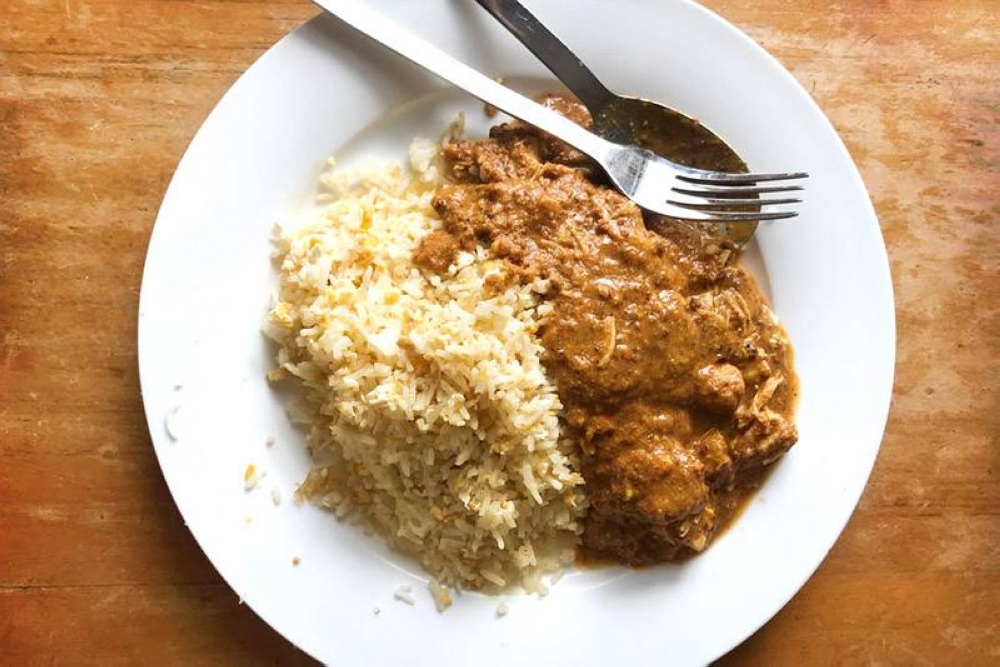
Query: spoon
{"points": [[654, 183], [625, 120]]}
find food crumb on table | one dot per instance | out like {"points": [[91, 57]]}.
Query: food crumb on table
{"points": [[270, 441], [295, 561], [502, 609], [275, 495]]}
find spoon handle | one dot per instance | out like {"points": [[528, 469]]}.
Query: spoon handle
{"points": [[361, 17], [551, 51]]}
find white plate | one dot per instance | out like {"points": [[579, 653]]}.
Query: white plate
{"points": [[208, 278]]}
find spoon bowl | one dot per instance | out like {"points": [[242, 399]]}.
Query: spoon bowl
{"points": [[671, 134]]}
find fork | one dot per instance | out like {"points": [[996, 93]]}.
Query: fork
{"points": [[654, 183]]}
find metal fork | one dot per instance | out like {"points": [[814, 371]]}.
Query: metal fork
{"points": [[652, 182]]}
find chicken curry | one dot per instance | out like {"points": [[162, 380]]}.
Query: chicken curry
{"points": [[676, 378]]}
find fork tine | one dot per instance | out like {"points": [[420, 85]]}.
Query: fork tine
{"points": [[713, 201], [698, 215], [720, 178], [703, 190]]}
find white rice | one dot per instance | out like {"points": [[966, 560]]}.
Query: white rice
{"points": [[430, 408], [404, 594], [251, 477], [440, 594], [171, 423]]}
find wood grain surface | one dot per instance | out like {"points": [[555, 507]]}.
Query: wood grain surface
{"points": [[98, 100]]}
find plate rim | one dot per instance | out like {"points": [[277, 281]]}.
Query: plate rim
{"points": [[154, 422]]}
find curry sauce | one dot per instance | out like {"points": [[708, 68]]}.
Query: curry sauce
{"points": [[676, 379]]}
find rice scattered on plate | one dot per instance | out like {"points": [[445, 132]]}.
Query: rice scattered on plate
{"points": [[430, 411], [404, 594]]}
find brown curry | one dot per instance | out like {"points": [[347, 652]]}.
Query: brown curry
{"points": [[676, 378]]}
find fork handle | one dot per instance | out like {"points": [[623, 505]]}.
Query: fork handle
{"points": [[361, 17], [553, 53]]}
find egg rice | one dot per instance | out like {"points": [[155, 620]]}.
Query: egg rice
{"points": [[429, 408]]}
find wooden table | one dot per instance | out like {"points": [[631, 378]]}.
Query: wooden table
{"points": [[99, 98]]}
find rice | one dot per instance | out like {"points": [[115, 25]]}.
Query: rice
{"points": [[251, 477], [441, 596], [430, 413], [404, 594]]}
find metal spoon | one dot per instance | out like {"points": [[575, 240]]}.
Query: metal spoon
{"points": [[654, 183], [625, 120]]}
